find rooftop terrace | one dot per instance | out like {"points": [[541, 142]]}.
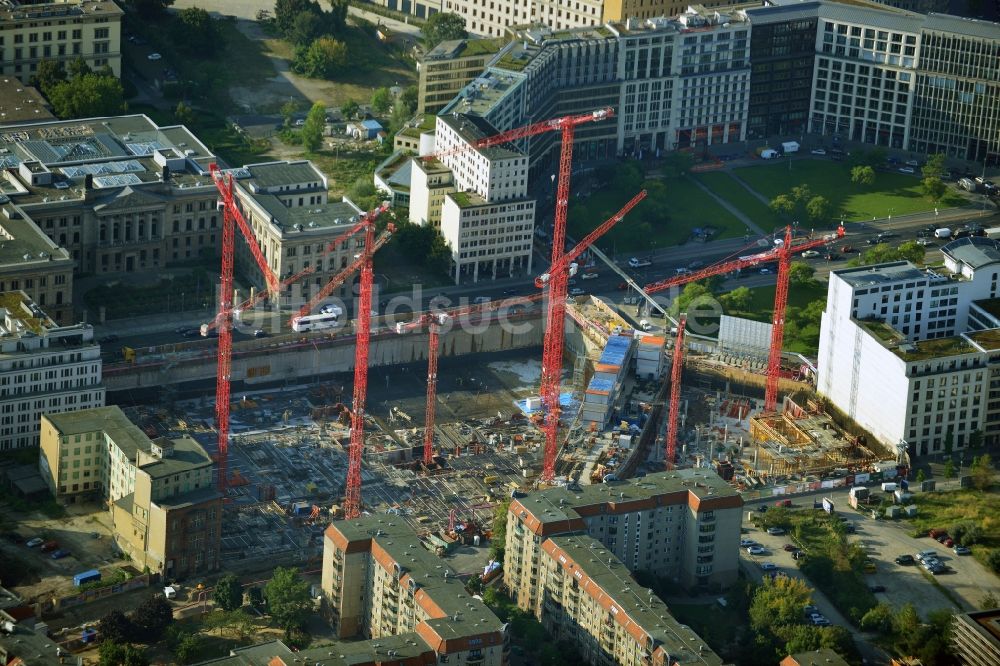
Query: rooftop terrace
{"points": [[23, 315]]}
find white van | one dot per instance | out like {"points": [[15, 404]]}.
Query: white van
{"points": [[943, 232], [645, 325]]}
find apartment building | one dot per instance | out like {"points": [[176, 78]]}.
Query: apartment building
{"points": [[570, 552], [44, 368], [61, 30], [480, 197], [166, 512], [287, 206], [912, 355], [448, 67], [683, 525], [381, 583], [976, 637]]}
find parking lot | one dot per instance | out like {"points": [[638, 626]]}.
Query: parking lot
{"points": [[967, 581]]}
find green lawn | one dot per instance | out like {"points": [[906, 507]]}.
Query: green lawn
{"points": [[894, 193], [801, 334], [344, 167], [647, 228], [725, 186], [945, 509]]}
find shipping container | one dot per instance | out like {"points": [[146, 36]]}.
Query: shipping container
{"points": [[85, 577]]}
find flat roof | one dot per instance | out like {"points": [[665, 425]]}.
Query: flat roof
{"points": [[189, 498], [934, 348], [821, 657], [22, 11], [560, 504], [339, 653], [973, 251], [268, 175], [472, 128], [24, 317], [989, 305], [318, 217], [481, 95], [988, 340], [879, 274], [23, 245], [20, 102], [434, 576], [642, 606], [464, 48], [187, 454]]}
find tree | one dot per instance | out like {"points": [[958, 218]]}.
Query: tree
{"points": [[783, 204], [989, 602], [111, 653], [934, 166], [195, 31], [677, 163], [878, 619], [88, 96], [322, 59], [778, 601], [50, 73], [312, 130], [349, 109], [289, 109], [921, 476], [800, 273], [883, 252], [188, 650], [287, 598], [115, 627], [152, 617], [228, 593], [818, 210], [149, 9], [498, 541], [285, 12], [184, 114], [409, 98], [382, 99], [77, 68], [949, 442], [933, 188], [949, 469], [862, 175], [442, 27], [982, 471], [975, 439], [737, 300], [912, 251], [306, 27]]}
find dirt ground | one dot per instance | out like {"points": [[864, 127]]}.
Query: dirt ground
{"points": [[85, 532]]}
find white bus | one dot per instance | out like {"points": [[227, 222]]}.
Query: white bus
{"points": [[316, 322]]}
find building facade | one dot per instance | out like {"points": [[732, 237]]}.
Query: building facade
{"points": [[63, 30], [449, 67], [570, 553], [165, 510], [44, 368], [379, 582], [911, 354]]}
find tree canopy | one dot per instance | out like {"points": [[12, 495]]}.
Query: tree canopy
{"points": [[442, 27], [151, 618], [800, 273], [149, 9], [883, 252], [324, 58], [112, 653], [933, 188], [301, 21], [195, 31], [862, 175], [381, 100], [88, 95], [287, 597], [934, 166], [312, 130], [228, 593]]}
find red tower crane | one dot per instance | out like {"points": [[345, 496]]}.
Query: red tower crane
{"points": [[552, 351], [675, 392], [435, 320], [782, 254], [231, 218]]}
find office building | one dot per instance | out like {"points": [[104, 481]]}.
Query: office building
{"points": [[380, 583], [166, 512], [976, 637], [44, 368], [911, 354], [570, 552], [480, 197], [448, 67], [60, 30]]}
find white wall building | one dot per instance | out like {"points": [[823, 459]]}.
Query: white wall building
{"points": [[478, 198], [44, 368], [909, 354]]}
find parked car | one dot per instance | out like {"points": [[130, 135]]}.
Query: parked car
{"points": [[949, 542], [876, 588], [907, 169], [810, 610], [590, 276], [59, 554], [925, 242], [788, 548], [847, 249], [905, 559], [746, 543], [34, 543], [809, 254], [798, 554], [821, 622], [756, 550], [260, 333], [941, 538], [154, 56], [768, 566], [817, 151], [775, 531], [49, 546], [765, 271], [962, 550]]}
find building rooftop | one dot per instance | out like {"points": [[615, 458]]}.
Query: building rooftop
{"points": [[23, 245], [821, 657], [187, 454], [189, 498], [482, 94], [989, 305], [30, 647], [561, 504], [988, 340], [306, 219], [637, 609], [396, 170], [464, 48], [973, 251], [987, 623], [111, 420], [281, 176], [923, 350], [17, 10], [458, 613], [879, 274], [21, 316], [341, 653], [20, 102], [962, 25]]}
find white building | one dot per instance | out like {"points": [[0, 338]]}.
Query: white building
{"points": [[44, 369], [479, 197], [909, 354]]}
